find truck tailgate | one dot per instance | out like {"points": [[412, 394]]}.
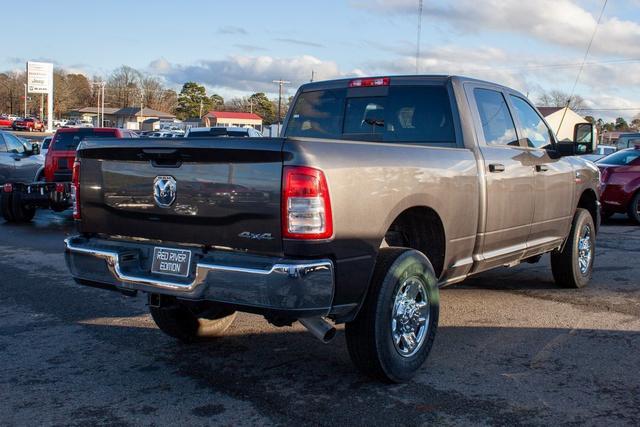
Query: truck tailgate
{"points": [[216, 192]]}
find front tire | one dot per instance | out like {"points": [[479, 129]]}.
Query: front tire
{"points": [[21, 212], [179, 321], [573, 265], [634, 208], [6, 206], [394, 331]]}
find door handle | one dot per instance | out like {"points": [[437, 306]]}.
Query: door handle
{"points": [[542, 168], [496, 167]]}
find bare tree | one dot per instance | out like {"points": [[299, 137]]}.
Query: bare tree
{"points": [[123, 88], [557, 98]]}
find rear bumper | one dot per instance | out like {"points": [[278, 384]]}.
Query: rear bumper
{"points": [[296, 287], [45, 194]]}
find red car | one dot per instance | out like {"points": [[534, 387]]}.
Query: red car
{"points": [[29, 124], [620, 181], [5, 121]]}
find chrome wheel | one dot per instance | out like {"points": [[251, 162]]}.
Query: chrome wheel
{"points": [[410, 316], [585, 249]]}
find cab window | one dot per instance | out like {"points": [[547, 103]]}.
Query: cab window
{"points": [[13, 144], [535, 132], [497, 125]]}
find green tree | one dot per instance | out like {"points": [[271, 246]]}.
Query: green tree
{"points": [[192, 101], [217, 101], [590, 119], [262, 106], [621, 124]]}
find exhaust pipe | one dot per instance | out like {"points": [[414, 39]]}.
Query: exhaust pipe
{"points": [[319, 328]]}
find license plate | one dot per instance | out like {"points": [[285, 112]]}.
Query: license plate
{"points": [[175, 262]]}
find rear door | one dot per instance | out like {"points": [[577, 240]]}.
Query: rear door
{"points": [[554, 177], [211, 191], [508, 177]]}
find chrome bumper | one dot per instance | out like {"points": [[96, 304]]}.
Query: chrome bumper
{"points": [[234, 278]]}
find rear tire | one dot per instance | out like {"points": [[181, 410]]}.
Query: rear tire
{"points": [[6, 206], [179, 322], [634, 208], [394, 331], [572, 267], [21, 213]]}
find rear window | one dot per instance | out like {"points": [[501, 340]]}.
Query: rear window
{"points": [[620, 158], [402, 114], [68, 141]]}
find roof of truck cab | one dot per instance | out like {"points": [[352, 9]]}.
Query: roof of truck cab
{"points": [[434, 78]]}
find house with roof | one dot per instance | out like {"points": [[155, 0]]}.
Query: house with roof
{"points": [[233, 119], [126, 118], [562, 121]]}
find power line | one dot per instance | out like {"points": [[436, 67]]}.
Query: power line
{"points": [[586, 55]]}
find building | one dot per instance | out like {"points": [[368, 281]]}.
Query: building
{"points": [[126, 118], [554, 116], [232, 118]]}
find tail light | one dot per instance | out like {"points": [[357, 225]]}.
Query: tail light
{"points": [[75, 189], [7, 188], [306, 206]]}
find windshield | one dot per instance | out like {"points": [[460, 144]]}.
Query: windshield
{"points": [[68, 141], [624, 157]]}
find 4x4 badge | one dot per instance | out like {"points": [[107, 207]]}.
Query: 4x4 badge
{"points": [[164, 191]]}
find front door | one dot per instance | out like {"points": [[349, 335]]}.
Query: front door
{"points": [[554, 183], [26, 165], [7, 163], [508, 199]]}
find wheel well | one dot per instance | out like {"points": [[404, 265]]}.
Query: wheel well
{"points": [[589, 201], [420, 228]]}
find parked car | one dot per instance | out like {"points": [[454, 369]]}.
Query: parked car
{"points": [[77, 124], [44, 148], [51, 188], [380, 191], [627, 140], [620, 179], [19, 161], [5, 121], [57, 123], [220, 131], [600, 152], [30, 124]]}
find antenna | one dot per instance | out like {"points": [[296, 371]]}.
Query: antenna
{"points": [[418, 39]]}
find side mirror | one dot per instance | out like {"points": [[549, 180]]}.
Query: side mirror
{"points": [[35, 148], [566, 148], [583, 138]]}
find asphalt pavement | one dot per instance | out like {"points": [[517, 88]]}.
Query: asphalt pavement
{"points": [[512, 348]]}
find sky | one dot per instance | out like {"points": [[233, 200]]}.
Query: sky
{"points": [[238, 47]]}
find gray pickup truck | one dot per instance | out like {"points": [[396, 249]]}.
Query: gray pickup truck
{"points": [[380, 191]]}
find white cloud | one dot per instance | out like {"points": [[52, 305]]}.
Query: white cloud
{"points": [[560, 22], [250, 73]]}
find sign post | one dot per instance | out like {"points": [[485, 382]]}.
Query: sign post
{"points": [[40, 80]]}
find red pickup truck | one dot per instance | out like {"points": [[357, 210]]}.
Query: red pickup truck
{"points": [[55, 191], [30, 124]]}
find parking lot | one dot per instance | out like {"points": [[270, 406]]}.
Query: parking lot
{"points": [[512, 348]]}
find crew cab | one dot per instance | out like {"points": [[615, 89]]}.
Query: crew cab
{"points": [[52, 186], [30, 124], [380, 191]]}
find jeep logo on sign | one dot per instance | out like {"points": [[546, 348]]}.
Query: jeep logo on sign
{"points": [[164, 191]]}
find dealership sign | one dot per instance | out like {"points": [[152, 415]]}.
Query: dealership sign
{"points": [[39, 77]]}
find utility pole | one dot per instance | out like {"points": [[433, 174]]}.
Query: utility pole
{"points": [[102, 120], [418, 39], [280, 84], [313, 73], [25, 100]]}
